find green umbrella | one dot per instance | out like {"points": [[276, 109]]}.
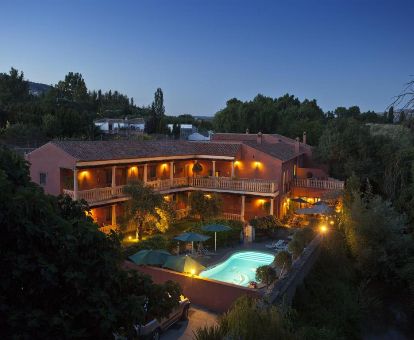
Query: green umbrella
{"points": [[191, 237], [151, 257], [183, 264], [215, 228]]}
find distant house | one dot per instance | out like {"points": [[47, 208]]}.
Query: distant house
{"points": [[196, 136], [185, 130], [120, 125]]}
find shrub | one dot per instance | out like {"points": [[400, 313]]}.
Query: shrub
{"points": [[300, 240], [270, 222], [154, 242], [266, 274], [246, 320], [283, 260]]}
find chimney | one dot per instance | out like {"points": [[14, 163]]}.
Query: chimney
{"points": [[259, 138], [247, 131], [304, 137], [297, 144]]}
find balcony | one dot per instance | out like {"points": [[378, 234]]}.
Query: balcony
{"points": [[330, 184], [219, 184]]}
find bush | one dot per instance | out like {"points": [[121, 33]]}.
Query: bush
{"points": [[154, 242], [300, 240], [270, 222], [224, 239], [266, 274], [246, 320]]}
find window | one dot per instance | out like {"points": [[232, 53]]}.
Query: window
{"points": [[42, 178]]}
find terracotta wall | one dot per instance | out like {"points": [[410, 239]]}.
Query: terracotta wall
{"points": [[256, 207], [214, 295], [317, 173], [308, 192], [256, 164], [49, 159], [92, 178]]}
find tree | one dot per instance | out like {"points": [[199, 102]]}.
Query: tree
{"points": [[61, 277], [390, 117], [205, 206], [73, 88], [145, 208], [155, 123], [266, 274], [284, 261]]}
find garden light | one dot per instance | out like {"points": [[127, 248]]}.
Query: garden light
{"points": [[323, 229]]}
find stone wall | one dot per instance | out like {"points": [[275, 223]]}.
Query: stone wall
{"points": [[283, 291]]}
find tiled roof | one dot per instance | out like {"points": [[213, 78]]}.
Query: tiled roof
{"points": [[108, 150], [234, 136], [282, 151]]}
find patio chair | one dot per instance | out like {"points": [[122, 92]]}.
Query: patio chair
{"points": [[274, 245], [204, 251]]}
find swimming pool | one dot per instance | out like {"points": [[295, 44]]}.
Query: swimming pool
{"points": [[239, 268]]}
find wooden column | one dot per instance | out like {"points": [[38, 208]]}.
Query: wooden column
{"points": [[113, 215], [75, 184], [145, 173], [214, 168], [113, 183], [232, 169], [272, 205], [243, 199], [172, 172]]}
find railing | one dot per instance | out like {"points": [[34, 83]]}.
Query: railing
{"points": [[232, 217], [107, 228], [226, 183], [214, 183], [329, 184]]}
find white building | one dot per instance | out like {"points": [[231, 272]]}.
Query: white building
{"points": [[119, 125]]}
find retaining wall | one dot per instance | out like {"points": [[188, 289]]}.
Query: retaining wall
{"points": [[214, 295], [283, 291]]}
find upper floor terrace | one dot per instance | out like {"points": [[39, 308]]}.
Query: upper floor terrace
{"points": [[100, 185]]}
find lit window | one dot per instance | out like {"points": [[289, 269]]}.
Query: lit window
{"points": [[42, 178]]}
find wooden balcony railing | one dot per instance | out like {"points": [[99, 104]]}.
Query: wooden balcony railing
{"points": [[232, 217], [318, 183], [214, 183]]}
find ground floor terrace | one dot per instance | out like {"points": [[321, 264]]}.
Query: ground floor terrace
{"points": [[235, 207]]}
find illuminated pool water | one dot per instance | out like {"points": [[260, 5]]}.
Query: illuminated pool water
{"points": [[239, 268]]}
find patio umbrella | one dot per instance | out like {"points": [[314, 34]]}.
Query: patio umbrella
{"points": [[319, 203], [215, 228], [183, 264], [150, 257], [191, 237], [321, 209], [298, 200]]}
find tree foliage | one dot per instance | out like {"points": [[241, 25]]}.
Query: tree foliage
{"points": [[205, 206], [269, 222], [61, 277], [248, 320], [146, 209], [266, 274]]}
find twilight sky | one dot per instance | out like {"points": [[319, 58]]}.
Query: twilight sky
{"points": [[202, 53]]}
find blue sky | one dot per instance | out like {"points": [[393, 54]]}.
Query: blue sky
{"points": [[202, 53]]}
